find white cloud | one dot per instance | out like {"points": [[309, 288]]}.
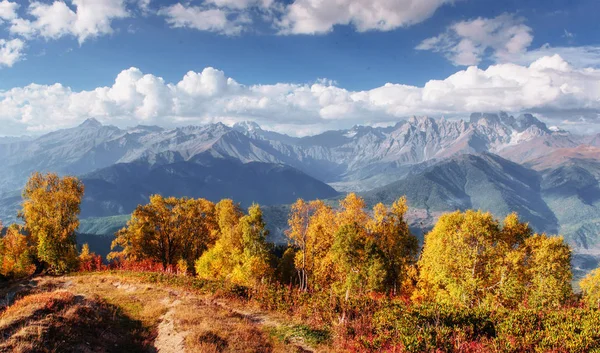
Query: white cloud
{"points": [[204, 19], [89, 19], [467, 42], [231, 17], [144, 5], [318, 16], [8, 10], [11, 51], [241, 4], [504, 39], [583, 56], [549, 85]]}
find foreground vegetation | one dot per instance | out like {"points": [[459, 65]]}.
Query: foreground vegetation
{"points": [[351, 279]]}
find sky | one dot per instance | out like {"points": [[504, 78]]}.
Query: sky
{"points": [[295, 66]]}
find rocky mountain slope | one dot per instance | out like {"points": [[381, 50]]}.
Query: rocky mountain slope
{"points": [[356, 159], [487, 182]]}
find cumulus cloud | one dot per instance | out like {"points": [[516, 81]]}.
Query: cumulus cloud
{"points": [[8, 10], [467, 42], [88, 19], [11, 51], [550, 84], [317, 16]]}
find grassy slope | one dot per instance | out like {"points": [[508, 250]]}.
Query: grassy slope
{"points": [[147, 311]]}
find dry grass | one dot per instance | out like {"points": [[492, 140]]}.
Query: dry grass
{"points": [[212, 328], [88, 313], [61, 321]]}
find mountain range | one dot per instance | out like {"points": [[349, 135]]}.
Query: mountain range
{"points": [[493, 162]]}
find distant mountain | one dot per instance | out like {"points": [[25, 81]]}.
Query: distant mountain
{"points": [[495, 162], [71, 151], [486, 181], [13, 139], [365, 157], [356, 159], [118, 189]]}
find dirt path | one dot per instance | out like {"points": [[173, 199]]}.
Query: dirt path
{"points": [[168, 339]]}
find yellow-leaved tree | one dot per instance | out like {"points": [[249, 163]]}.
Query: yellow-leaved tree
{"points": [[241, 254], [397, 244], [372, 254], [590, 286], [254, 264], [50, 211], [311, 229], [470, 259], [320, 264], [167, 230], [218, 262]]}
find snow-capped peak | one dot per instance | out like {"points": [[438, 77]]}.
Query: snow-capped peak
{"points": [[247, 126]]}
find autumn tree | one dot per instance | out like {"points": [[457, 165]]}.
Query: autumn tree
{"points": [[311, 229], [167, 230], [590, 287], [397, 244], [88, 260], [471, 259], [547, 269], [320, 262], [16, 259], [351, 211], [51, 206], [219, 261], [255, 261], [297, 233], [241, 254]]}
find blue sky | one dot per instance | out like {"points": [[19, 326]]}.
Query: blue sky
{"points": [[296, 66]]}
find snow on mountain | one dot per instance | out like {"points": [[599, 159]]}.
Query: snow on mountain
{"points": [[358, 158]]}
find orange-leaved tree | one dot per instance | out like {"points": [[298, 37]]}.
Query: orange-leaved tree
{"points": [[167, 230], [16, 253]]}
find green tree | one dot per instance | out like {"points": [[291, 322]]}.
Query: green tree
{"points": [[50, 211], [359, 261]]}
